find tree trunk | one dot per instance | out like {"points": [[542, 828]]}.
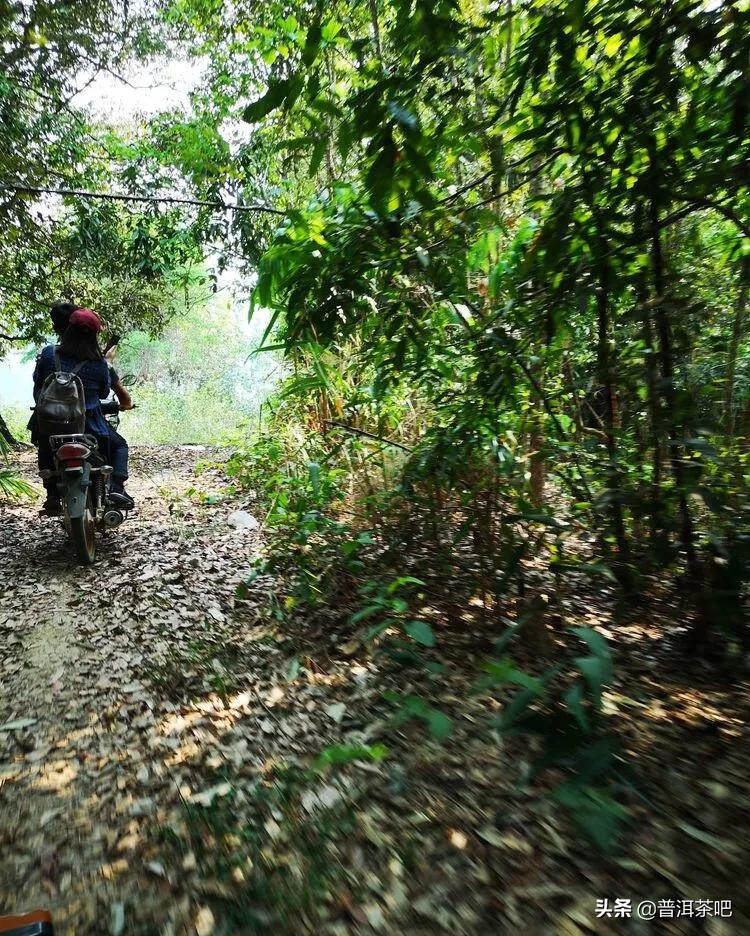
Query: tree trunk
{"points": [[537, 461], [738, 326], [7, 435], [614, 479], [537, 466], [664, 332], [622, 567], [376, 30], [658, 535]]}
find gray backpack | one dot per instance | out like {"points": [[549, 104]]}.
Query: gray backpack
{"points": [[61, 407]]}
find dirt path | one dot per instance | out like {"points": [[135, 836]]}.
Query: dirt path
{"points": [[94, 751]]}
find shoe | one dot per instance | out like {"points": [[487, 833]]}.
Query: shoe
{"points": [[52, 508], [121, 499]]}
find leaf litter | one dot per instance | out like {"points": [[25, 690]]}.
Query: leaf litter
{"points": [[161, 767]]}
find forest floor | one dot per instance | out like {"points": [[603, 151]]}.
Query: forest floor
{"points": [[161, 769]]}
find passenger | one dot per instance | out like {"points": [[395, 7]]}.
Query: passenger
{"points": [[60, 315], [79, 344]]}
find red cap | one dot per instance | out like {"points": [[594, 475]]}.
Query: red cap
{"points": [[86, 318]]}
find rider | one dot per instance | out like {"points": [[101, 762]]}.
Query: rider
{"points": [[79, 343], [60, 315]]}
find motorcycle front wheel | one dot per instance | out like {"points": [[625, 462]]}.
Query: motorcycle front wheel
{"points": [[82, 533]]}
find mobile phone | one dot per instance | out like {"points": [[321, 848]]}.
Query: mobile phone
{"points": [[114, 340]]}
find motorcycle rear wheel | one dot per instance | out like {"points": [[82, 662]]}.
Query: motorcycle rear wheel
{"points": [[82, 531]]}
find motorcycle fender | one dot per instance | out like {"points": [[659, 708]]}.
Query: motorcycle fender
{"points": [[76, 487]]}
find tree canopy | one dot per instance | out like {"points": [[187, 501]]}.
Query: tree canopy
{"points": [[125, 262], [514, 212]]}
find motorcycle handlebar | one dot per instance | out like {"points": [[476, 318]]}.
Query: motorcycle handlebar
{"points": [[109, 409]]}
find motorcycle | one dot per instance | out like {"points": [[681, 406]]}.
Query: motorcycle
{"points": [[83, 479]]}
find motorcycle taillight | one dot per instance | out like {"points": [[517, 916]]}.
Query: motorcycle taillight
{"points": [[73, 452]]}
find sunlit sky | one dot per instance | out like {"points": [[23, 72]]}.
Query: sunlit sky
{"points": [[142, 92]]}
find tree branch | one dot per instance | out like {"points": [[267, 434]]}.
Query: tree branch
{"points": [[487, 175], [367, 435], [700, 203], [111, 196]]}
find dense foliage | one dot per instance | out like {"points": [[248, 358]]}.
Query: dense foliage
{"points": [[197, 382], [529, 224], [132, 261]]}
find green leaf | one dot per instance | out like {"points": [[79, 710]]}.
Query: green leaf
{"points": [[412, 706], [377, 630], [297, 143], [596, 813], [379, 177], [18, 724], [721, 845], [312, 43], [339, 754], [597, 672], [439, 724], [574, 698], [497, 673], [502, 642], [596, 643], [317, 155], [279, 90], [517, 707], [365, 612], [588, 568], [421, 632], [401, 581], [271, 323], [313, 470], [330, 30]]}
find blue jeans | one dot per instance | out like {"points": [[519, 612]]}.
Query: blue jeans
{"points": [[115, 448]]}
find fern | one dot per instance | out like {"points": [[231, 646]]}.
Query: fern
{"points": [[11, 486]]}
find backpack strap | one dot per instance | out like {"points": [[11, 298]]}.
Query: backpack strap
{"points": [[58, 363]]}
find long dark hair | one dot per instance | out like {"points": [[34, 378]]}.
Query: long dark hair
{"points": [[80, 344], [60, 314]]}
